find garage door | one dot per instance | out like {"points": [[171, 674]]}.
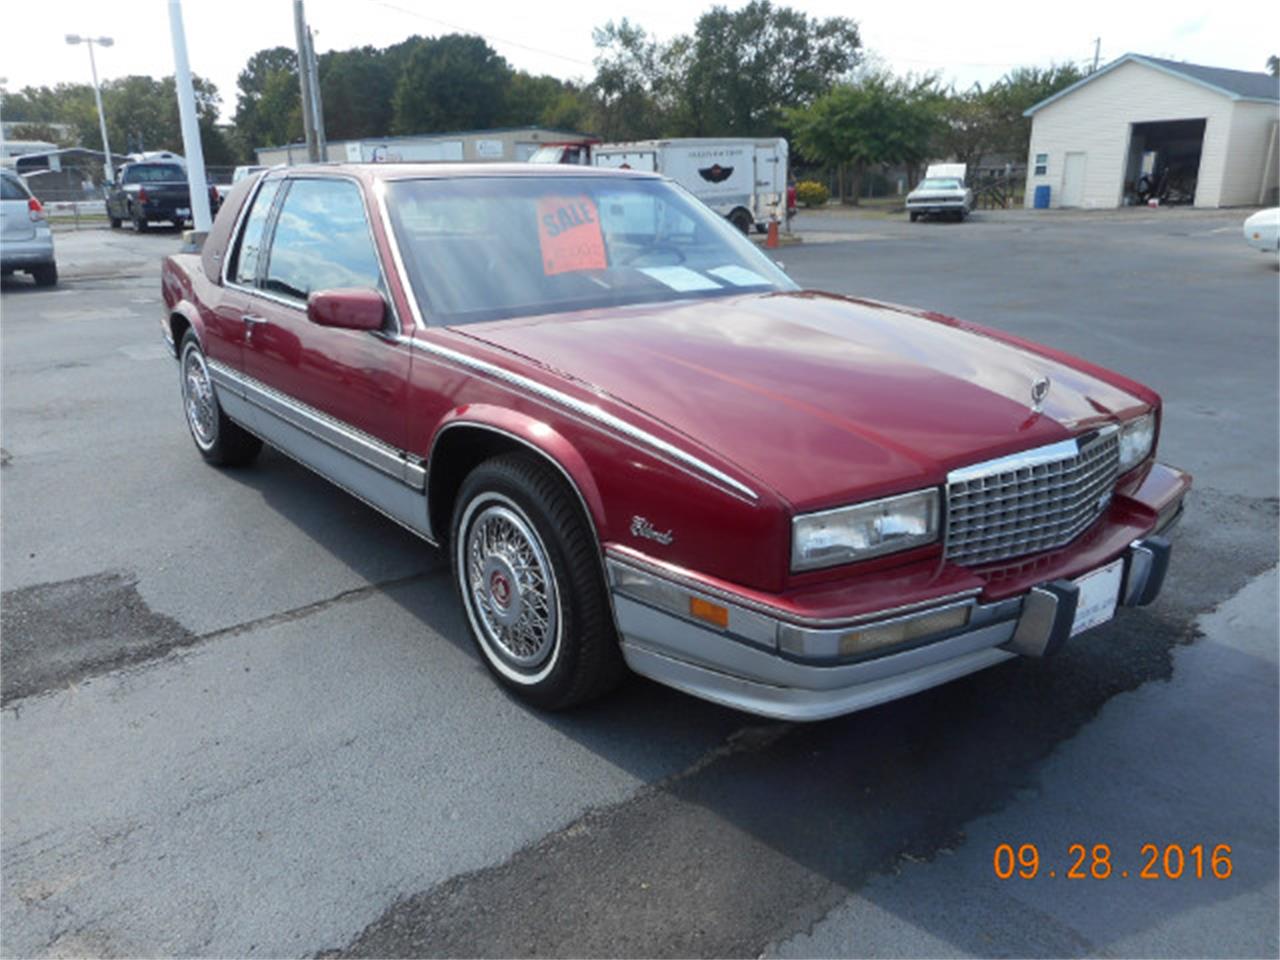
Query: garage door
{"points": [[1073, 180]]}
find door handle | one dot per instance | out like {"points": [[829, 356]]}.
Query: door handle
{"points": [[251, 322]]}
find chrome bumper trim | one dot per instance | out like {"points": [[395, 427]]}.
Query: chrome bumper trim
{"points": [[739, 667]]}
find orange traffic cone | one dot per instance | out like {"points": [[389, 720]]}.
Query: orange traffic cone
{"points": [[772, 240]]}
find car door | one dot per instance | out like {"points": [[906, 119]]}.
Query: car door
{"points": [[228, 328], [346, 388]]}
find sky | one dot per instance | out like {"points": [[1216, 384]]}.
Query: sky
{"points": [[964, 44]]}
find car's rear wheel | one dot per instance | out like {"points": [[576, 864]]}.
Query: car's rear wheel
{"points": [[741, 219], [220, 440], [45, 275], [914, 216], [527, 569]]}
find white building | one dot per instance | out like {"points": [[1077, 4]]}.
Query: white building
{"points": [[472, 146], [1206, 133]]}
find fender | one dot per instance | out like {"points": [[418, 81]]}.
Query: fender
{"points": [[188, 312], [541, 438]]}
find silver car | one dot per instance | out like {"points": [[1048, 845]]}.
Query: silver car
{"points": [[26, 243], [940, 197]]}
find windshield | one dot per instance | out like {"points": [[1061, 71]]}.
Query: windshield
{"points": [[153, 173], [487, 248], [940, 183]]}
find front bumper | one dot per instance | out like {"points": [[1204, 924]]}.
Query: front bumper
{"points": [[773, 666]]}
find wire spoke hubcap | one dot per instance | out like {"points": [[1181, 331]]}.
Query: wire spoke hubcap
{"points": [[512, 588], [201, 406]]}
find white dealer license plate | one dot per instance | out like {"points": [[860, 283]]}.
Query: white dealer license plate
{"points": [[1099, 592], [184, 211]]}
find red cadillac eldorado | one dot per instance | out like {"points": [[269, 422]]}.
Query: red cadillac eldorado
{"points": [[643, 446]]}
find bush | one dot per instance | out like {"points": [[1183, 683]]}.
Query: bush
{"points": [[811, 193]]}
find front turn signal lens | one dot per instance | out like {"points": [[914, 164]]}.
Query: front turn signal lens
{"points": [[709, 612]]}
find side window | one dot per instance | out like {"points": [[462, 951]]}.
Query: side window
{"points": [[321, 241], [11, 189], [250, 251]]}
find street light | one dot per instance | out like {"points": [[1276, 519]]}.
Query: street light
{"points": [[73, 39]]}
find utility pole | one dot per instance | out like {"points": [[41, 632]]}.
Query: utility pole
{"points": [[304, 78], [317, 102], [198, 187], [1097, 50], [73, 39]]}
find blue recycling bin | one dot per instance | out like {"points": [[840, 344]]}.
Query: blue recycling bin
{"points": [[1041, 200]]}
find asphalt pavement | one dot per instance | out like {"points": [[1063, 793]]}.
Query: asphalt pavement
{"points": [[242, 716]]}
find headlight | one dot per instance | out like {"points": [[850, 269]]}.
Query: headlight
{"points": [[1136, 438], [864, 530]]}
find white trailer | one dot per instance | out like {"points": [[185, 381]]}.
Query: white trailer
{"points": [[740, 178]]}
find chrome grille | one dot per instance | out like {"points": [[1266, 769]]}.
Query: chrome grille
{"points": [[1030, 501]]}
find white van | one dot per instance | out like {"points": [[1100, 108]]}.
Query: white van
{"points": [[740, 178]]}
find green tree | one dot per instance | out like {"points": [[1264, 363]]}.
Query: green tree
{"points": [[879, 119], [744, 68], [625, 91], [356, 87], [454, 82], [1273, 65], [967, 129], [528, 99], [268, 101]]}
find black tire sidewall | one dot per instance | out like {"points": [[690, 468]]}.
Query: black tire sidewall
{"points": [[491, 478]]}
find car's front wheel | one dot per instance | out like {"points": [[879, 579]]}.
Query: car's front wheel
{"points": [[220, 440], [45, 275], [527, 569]]}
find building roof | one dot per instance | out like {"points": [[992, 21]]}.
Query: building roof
{"points": [[566, 135], [1236, 84]]}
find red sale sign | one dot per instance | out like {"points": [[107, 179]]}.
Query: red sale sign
{"points": [[569, 234]]}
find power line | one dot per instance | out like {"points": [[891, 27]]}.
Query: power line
{"points": [[492, 39]]}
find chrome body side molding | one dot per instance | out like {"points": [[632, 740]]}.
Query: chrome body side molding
{"points": [[588, 411], [372, 471]]}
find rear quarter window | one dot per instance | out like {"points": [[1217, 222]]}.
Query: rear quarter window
{"points": [[11, 188]]}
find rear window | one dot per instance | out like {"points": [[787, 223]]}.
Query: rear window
{"points": [[153, 173], [11, 188]]}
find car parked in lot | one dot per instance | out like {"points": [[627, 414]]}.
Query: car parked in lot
{"points": [[1262, 230], [941, 193], [26, 242], [643, 446], [149, 192]]}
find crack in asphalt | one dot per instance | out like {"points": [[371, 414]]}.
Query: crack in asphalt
{"points": [[55, 635]]}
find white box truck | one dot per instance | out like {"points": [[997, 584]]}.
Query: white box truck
{"points": [[743, 179]]}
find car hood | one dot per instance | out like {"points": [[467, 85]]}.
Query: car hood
{"points": [[822, 398]]}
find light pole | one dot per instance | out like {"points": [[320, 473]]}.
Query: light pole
{"points": [[73, 39]]}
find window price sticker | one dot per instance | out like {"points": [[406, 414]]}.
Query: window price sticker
{"points": [[569, 234]]}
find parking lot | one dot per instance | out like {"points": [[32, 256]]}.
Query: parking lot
{"points": [[242, 714]]}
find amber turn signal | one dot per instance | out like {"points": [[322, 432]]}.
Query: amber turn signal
{"points": [[710, 612]]}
